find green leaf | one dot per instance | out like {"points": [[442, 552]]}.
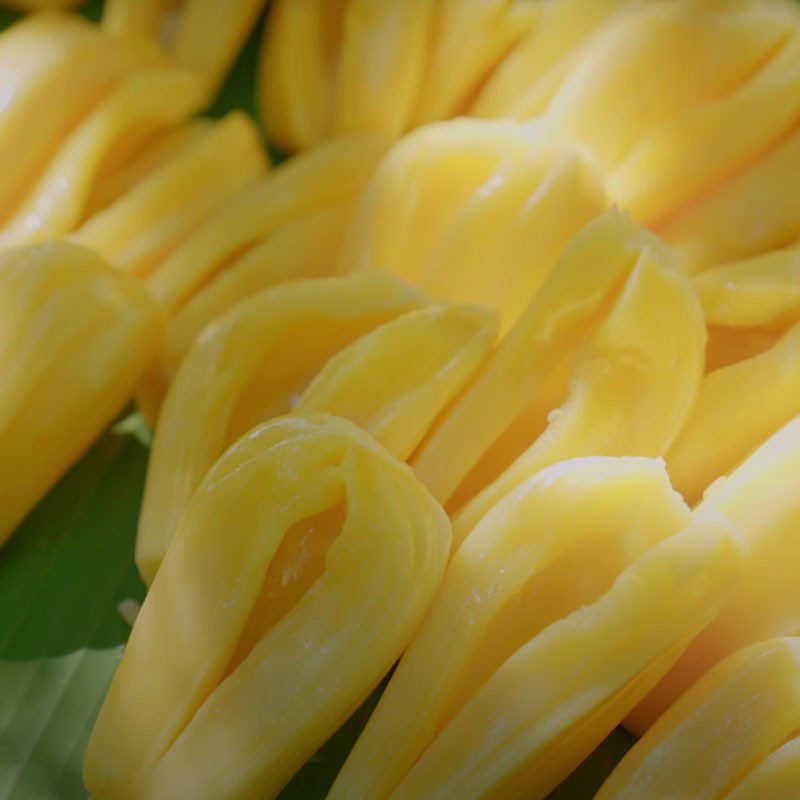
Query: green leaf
{"points": [[64, 571], [47, 709]]}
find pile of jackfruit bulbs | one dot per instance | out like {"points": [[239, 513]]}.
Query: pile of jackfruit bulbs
{"points": [[496, 378]]}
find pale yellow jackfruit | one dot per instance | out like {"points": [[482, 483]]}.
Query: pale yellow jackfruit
{"points": [[204, 36], [754, 212], [487, 31], [321, 179], [359, 66], [776, 777], [351, 66], [525, 81], [319, 550], [249, 366], [474, 211], [761, 292], [555, 544], [142, 104], [572, 596], [394, 381], [717, 733], [112, 183], [753, 385], [761, 500], [304, 248], [57, 68], [162, 209], [75, 337], [81, 103], [632, 334], [674, 98]]}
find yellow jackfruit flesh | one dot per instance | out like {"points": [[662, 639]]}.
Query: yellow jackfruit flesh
{"points": [[334, 549], [75, 337], [717, 736]]}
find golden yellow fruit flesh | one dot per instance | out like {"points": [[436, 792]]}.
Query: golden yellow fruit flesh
{"points": [[203, 36], [724, 727], [141, 105], [685, 73], [75, 337], [138, 231], [631, 386], [57, 68], [456, 204], [319, 180], [249, 366], [761, 501], [190, 715], [556, 694], [525, 81], [394, 381], [487, 31], [776, 777], [557, 319], [556, 543], [738, 407], [305, 248]]}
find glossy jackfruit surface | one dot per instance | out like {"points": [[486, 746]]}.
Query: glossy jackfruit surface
{"points": [[249, 366], [168, 202], [556, 614], [79, 104], [203, 36], [581, 372], [721, 733], [752, 383], [761, 501], [75, 337], [304, 563], [661, 93], [474, 211]]}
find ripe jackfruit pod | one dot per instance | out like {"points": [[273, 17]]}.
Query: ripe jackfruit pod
{"points": [[304, 563], [606, 360], [394, 381], [249, 366], [82, 102], [356, 66], [164, 202], [776, 776], [389, 371], [474, 211], [524, 82], [752, 309], [201, 36], [318, 181], [686, 104], [287, 226], [571, 597], [75, 337], [761, 501], [724, 733], [58, 67]]}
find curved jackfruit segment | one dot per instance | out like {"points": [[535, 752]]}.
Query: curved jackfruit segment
{"points": [[761, 501], [722, 730], [201, 36], [249, 366], [474, 211], [192, 712], [75, 338]]}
